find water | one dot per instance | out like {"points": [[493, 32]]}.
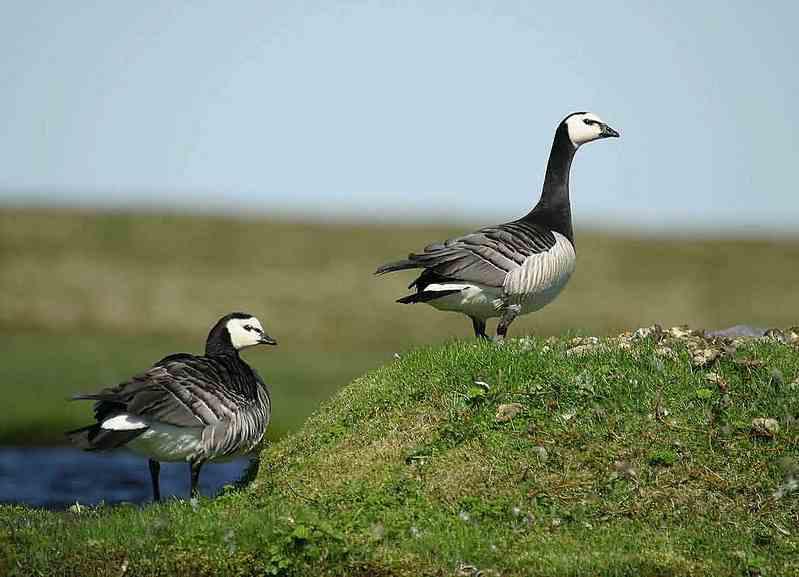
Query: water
{"points": [[58, 477]]}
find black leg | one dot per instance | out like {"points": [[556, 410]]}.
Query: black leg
{"points": [[155, 469], [479, 328], [510, 313], [195, 477]]}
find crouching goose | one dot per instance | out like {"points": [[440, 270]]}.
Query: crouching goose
{"points": [[513, 268], [187, 408]]}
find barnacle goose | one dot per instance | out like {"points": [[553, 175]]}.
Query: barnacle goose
{"points": [[513, 268], [185, 407]]}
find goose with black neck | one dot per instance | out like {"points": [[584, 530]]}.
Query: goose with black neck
{"points": [[187, 408], [513, 268]]}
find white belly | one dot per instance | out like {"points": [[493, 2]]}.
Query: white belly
{"points": [[540, 299], [167, 443], [478, 301]]}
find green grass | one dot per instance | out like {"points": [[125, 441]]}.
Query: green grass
{"points": [[89, 298], [613, 465]]}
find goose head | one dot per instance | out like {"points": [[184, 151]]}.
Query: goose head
{"points": [[246, 331], [582, 127], [237, 331]]}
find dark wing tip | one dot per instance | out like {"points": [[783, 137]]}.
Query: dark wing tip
{"points": [[398, 265]]}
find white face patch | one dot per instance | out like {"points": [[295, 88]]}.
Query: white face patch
{"points": [[244, 332], [581, 131]]}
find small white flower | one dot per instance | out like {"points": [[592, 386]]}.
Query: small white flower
{"points": [[230, 541], [789, 485], [377, 530], [568, 416]]}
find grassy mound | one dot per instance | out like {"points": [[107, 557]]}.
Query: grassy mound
{"points": [[649, 454]]}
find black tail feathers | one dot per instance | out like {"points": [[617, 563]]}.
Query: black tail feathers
{"points": [[95, 438], [425, 296]]}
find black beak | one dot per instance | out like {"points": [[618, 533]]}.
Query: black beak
{"points": [[607, 131], [266, 340]]}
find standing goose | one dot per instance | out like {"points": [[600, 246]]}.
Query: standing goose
{"points": [[514, 268], [185, 407]]}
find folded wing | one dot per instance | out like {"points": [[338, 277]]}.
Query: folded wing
{"points": [[485, 257], [180, 390]]}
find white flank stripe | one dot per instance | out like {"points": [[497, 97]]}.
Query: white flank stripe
{"points": [[446, 287], [124, 422]]}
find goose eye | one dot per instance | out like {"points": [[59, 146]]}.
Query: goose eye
{"points": [[586, 121], [248, 327]]}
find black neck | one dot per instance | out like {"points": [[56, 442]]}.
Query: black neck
{"points": [[220, 349], [553, 209], [218, 342]]}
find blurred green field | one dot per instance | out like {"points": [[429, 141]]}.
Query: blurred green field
{"points": [[41, 371], [88, 298]]}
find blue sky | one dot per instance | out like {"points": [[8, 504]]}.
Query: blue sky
{"points": [[404, 110]]}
